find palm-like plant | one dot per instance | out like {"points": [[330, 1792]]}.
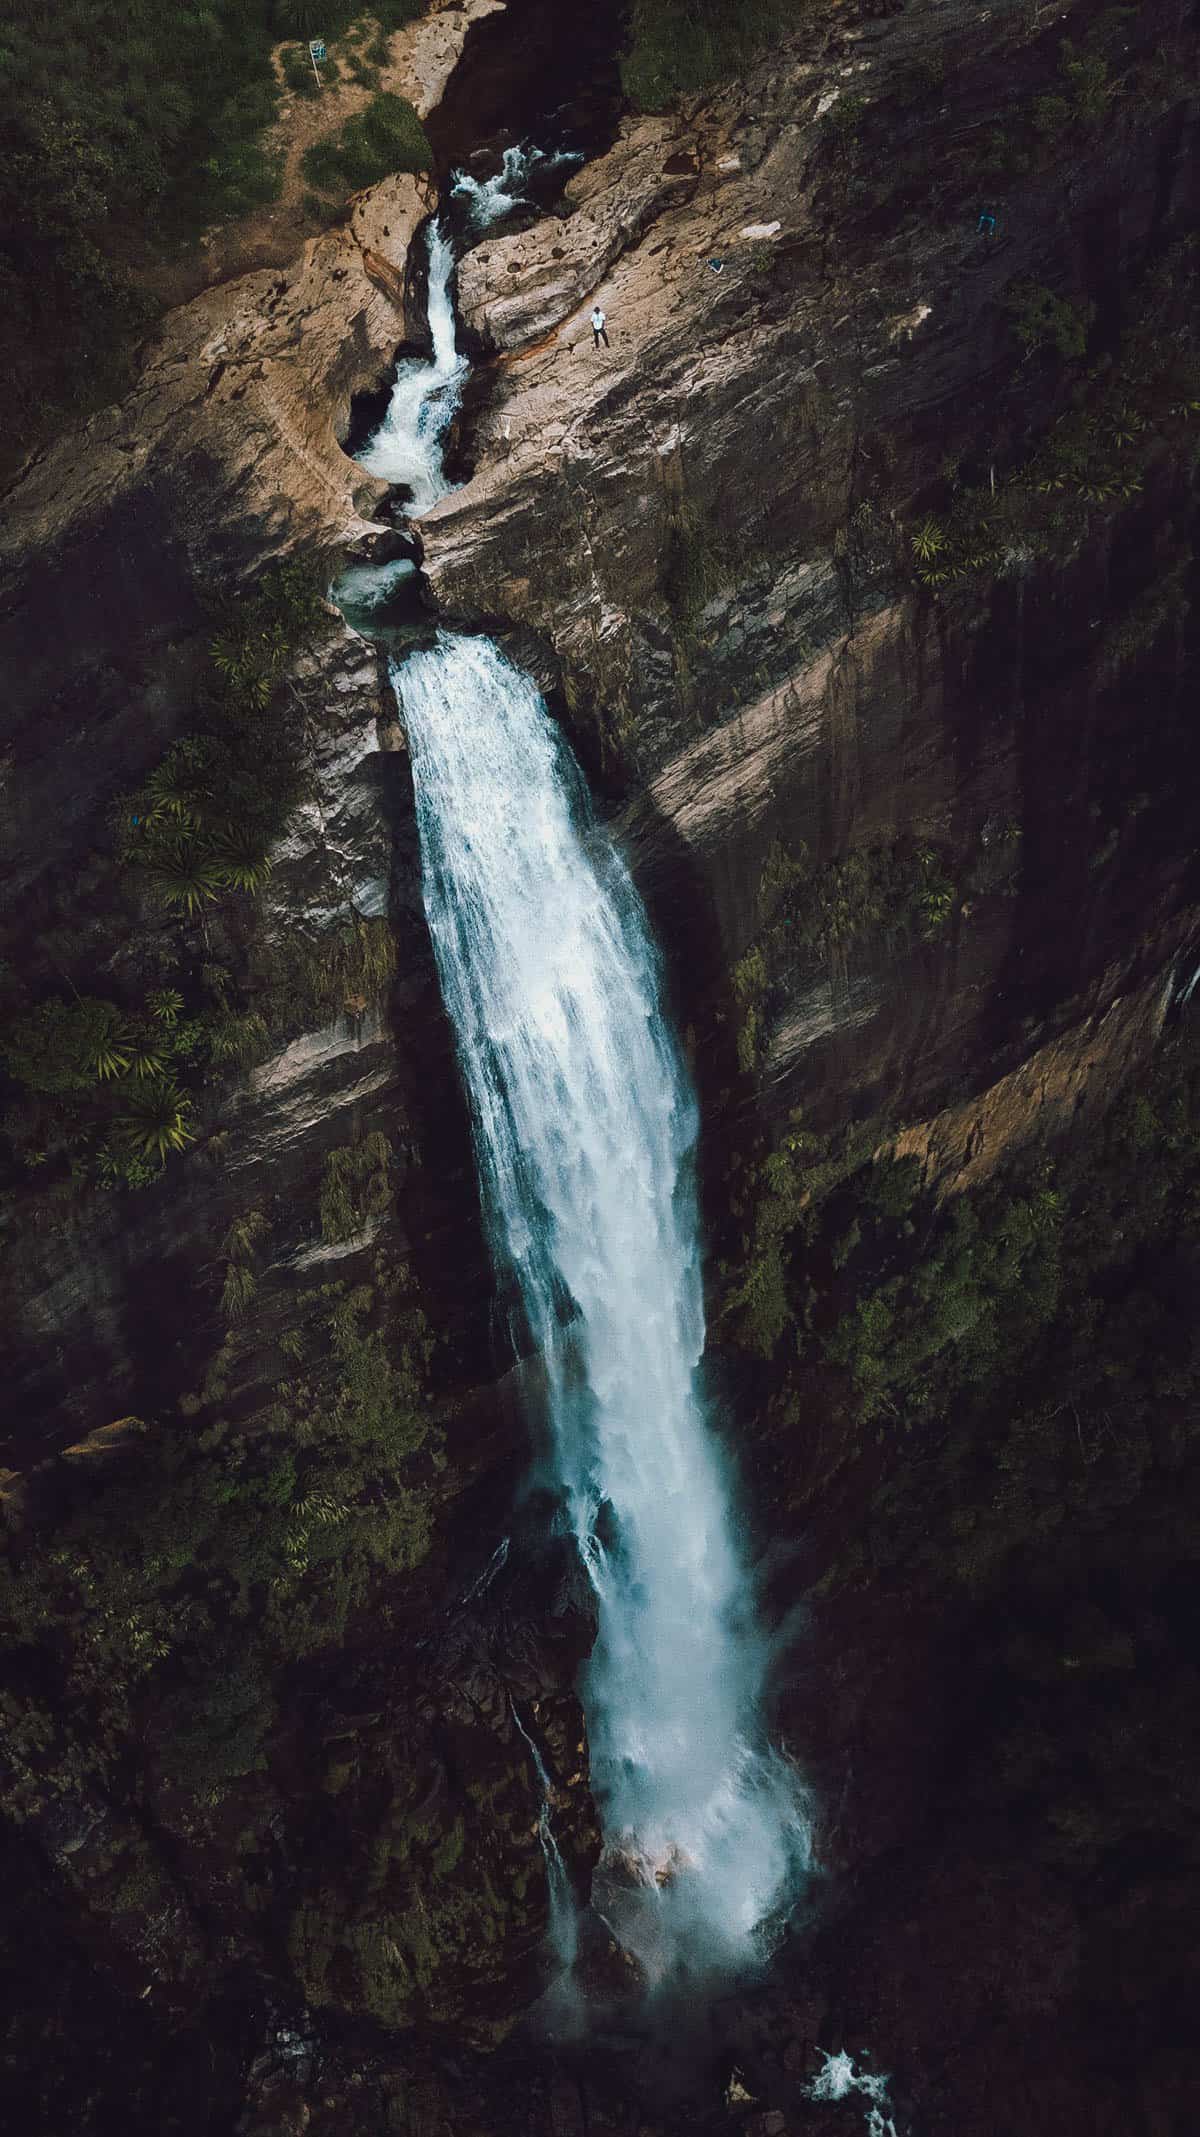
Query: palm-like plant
{"points": [[252, 663], [1126, 424], [928, 540], [183, 874], [170, 793], [241, 864], [164, 1006], [155, 1122], [148, 1056], [106, 1044]]}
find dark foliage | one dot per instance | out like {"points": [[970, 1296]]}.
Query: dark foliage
{"points": [[127, 130]]}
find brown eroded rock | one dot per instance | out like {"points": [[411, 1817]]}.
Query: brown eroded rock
{"points": [[385, 276], [705, 522], [432, 49], [961, 1147], [239, 404], [513, 288]]}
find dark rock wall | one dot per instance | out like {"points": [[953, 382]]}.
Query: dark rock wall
{"points": [[811, 695]]}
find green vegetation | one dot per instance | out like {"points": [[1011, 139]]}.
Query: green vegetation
{"points": [[989, 1408], [203, 821], [1049, 1292], [128, 130], [356, 1187], [1102, 75], [680, 46], [1042, 320], [1086, 90], [241, 1281], [1125, 413], [844, 119], [387, 136], [343, 972], [107, 1092], [475, 1875], [819, 918], [1165, 600], [694, 566], [159, 1611], [117, 117]]}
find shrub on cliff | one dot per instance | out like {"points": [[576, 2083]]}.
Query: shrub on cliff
{"points": [[158, 1612], [106, 1091], [677, 46], [388, 136]]}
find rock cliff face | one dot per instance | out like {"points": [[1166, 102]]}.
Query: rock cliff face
{"points": [[703, 521], [418, 1790], [697, 538]]}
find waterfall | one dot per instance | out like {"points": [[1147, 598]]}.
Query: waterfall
{"points": [[563, 1930], [585, 1128], [407, 447]]}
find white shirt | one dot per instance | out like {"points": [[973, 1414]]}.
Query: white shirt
{"points": [[597, 319]]}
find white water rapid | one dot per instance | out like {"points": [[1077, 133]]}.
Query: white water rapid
{"points": [[488, 200], [585, 1128], [407, 447], [840, 2078]]}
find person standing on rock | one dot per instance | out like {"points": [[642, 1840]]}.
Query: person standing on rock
{"points": [[599, 332]]}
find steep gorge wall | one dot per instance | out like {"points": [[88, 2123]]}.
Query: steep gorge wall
{"points": [[707, 525], [350, 1812], [698, 539]]}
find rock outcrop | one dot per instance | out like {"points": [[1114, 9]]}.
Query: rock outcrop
{"points": [[705, 523]]}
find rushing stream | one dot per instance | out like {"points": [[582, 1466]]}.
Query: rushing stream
{"points": [[488, 200], [585, 1128], [406, 450]]}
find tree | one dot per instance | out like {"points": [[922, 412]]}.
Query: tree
{"points": [[1041, 319], [241, 863]]}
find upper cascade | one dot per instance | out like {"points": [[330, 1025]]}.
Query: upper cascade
{"points": [[489, 200], [406, 449]]}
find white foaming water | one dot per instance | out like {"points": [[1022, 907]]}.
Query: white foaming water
{"points": [[489, 200], [407, 447], [585, 1126], [840, 2078], [371, 586]]}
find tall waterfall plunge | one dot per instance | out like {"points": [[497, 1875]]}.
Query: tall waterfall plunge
{"points": [[585, 1126]]}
